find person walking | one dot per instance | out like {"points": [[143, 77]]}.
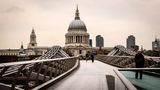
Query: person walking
{"points": [[92, 57], [139, 61], [87, 56]]}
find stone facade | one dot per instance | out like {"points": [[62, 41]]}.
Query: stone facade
{"points": [[77, 38]]}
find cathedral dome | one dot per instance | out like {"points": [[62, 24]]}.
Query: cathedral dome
{"points": [[77, 24]]}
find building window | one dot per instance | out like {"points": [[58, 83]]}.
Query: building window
{"points": [[80, 51], [32, 44]]}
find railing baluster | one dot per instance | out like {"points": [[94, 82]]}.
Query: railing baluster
{"points": [[16, 76], [46, 70], [56, 69], [39, 70], [61, 66], [28, 77], [51, 71], [3, 71]]}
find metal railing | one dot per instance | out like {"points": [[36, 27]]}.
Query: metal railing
{"points": [[128, 61], [30, 74], [128, 64], [127, 84], [135, 69]]}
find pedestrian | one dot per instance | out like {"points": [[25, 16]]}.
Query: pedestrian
{"points": [[87, 56], [92, 57], [139, 61]]}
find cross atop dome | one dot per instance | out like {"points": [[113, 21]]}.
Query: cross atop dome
{"points": [[77, 14], [33, 30]]}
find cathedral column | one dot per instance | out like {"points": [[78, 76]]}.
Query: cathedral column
{"points": [[74, 39], [71, 39], [88, 39], [67, 39], [80, 39], [77, 39], [84, 39]]}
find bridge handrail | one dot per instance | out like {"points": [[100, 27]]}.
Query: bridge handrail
{"points": [[125, 81], [130, 56], [33, 61], [118, 56], [39, 70], [135, 69], [146, 57], [54, 80]]}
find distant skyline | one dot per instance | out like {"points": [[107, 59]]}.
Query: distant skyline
{"points": [[114, 20]]}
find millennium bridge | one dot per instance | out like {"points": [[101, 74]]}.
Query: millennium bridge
{"points": [[56, 70]]}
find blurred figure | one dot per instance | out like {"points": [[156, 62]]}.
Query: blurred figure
{"points": [[87, 56], [139, 61], [92, 57]]}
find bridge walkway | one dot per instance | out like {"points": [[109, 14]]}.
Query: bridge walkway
{"points": [[90, 76]]}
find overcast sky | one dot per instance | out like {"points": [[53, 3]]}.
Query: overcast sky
{"points": [[115, 20]]}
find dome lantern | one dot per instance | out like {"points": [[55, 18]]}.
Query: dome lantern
{"points": [[77, 14], [77, 24]]}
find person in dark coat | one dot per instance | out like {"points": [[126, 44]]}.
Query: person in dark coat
{"points": [[87, 56], [139, 61], [92, 57]]}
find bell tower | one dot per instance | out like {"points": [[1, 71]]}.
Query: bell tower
{"points": [[33, 42]]}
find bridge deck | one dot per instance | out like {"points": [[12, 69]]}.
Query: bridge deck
{"points": [[149, 82], [90, 76]]}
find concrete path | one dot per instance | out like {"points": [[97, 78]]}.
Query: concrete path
{"points": [[90, 76]]}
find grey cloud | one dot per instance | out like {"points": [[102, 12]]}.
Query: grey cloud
{"points": [[128, 16], [15, 9]]}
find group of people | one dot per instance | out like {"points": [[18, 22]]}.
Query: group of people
{"points": [[91, 56], [139, 61]]}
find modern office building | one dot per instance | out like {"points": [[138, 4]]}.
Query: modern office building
{"points": [[156, 45], [90, 42], [99, 41], [130, 42]]}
